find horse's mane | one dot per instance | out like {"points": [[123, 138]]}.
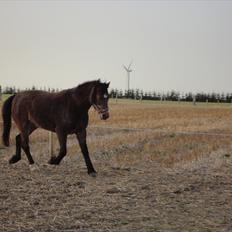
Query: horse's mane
{"points": [[88, 83], [84, 87]]}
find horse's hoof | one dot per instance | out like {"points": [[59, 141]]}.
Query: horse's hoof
{"points": [[53, 161], [93, 174], [14, 159]]}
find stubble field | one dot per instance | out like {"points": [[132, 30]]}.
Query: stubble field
{"points": [[161, 167]]}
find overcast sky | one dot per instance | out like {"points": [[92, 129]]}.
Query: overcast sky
{"points": [[175, 45]]}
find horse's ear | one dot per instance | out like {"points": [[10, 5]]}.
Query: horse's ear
{"points": [[108, 84]]}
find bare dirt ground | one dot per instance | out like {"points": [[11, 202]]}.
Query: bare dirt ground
{"points": [[148, 180]]}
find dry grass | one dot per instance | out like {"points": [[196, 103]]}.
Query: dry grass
{"points": [[156, 179], [164, 143], [160, 138]]}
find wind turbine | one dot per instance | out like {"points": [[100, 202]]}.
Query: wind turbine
{"points": [[128, 70]]}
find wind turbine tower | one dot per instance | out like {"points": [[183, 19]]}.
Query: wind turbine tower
{"points": [[128, 70]]}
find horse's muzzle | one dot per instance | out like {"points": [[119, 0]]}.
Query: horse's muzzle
{"points": [[104, 116]]}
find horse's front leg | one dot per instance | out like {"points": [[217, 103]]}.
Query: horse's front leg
{"points": [[62, 137], [81, 136]]}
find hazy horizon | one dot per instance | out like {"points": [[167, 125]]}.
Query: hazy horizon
{"points": [[175, 45]]}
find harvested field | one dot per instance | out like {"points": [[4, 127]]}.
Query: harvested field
{"points": [[161, 167]]}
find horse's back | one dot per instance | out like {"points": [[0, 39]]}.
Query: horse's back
{"points": [[36, 106], [25, 100]]}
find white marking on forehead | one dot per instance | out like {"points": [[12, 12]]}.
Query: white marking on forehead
{"points": [[105, 96]]}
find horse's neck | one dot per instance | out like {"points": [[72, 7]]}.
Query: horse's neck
{"points": [[81, 97]]}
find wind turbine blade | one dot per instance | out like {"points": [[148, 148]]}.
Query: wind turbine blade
{"points": [[130, 64], [126, 68]]}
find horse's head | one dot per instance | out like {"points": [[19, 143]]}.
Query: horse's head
{"points": [[99, 99]]}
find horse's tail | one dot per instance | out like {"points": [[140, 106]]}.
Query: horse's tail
{"points": [[6, 115]]}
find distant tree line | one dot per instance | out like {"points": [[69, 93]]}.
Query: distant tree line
{"points": [[151, 95], [171, 96], [13, 90]]}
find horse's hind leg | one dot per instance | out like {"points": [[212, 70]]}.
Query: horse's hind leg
{"points": [[15, 158], [26, 148], [25, 141]]}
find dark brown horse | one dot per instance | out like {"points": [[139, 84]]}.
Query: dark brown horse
{"points": [[65, 113]]}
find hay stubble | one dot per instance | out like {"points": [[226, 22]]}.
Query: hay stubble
{"points": [[148, 180]]}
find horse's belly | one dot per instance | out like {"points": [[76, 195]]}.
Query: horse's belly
{"points": [[42, 122]]}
